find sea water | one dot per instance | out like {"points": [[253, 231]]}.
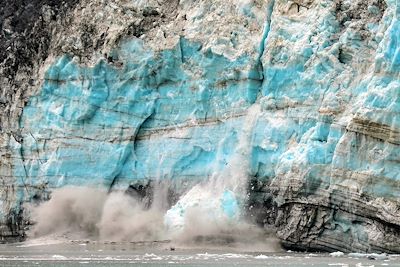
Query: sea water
{"points": [[164, 253]]}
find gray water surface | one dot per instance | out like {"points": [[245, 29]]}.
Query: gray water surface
{"points": [[83, 253]]}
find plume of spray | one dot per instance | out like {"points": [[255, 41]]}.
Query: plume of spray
{"points": [[211, 210], [67, 211], [83, 212]]}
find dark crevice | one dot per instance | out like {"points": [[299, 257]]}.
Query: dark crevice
{"points": [[345, 56], [142, 191], [181, 49], [131, 149], [259, 68]]}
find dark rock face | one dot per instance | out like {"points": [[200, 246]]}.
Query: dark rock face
{"points": [[26, 29]]}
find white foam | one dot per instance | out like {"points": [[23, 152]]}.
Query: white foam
{"points": [[374, 256], [59, 257], [43, 241], [261, 257], [336, 254]]}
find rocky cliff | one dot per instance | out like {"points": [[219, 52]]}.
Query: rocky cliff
{"points": [[116, 94]]}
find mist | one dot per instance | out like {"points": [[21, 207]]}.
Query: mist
{"points": [[94, 214], [208, 214]]}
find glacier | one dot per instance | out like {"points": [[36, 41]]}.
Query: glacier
{"points": [[286, 112]]}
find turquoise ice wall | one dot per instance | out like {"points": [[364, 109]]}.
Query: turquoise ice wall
{"points": [[328, 133], [102, 125]]}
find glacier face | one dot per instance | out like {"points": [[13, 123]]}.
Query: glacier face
{"points": [[320, 160]]}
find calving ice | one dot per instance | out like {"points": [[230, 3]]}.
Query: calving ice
{"points": [[205, 118], [217, 204]]}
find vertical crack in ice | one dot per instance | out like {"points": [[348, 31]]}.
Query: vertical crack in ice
{"points": [[128, 151], [181, 49], [259, 68], [22, 155], [267, 28], [19, 139], [37, 147]]}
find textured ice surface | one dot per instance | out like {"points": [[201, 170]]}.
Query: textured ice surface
{"points": [[111, 115], [324, 145]]}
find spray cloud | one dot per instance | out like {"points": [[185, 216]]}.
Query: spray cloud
{"points": [[210, 211]]}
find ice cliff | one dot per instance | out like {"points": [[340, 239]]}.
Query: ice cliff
{"points": [[295, 102]]}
